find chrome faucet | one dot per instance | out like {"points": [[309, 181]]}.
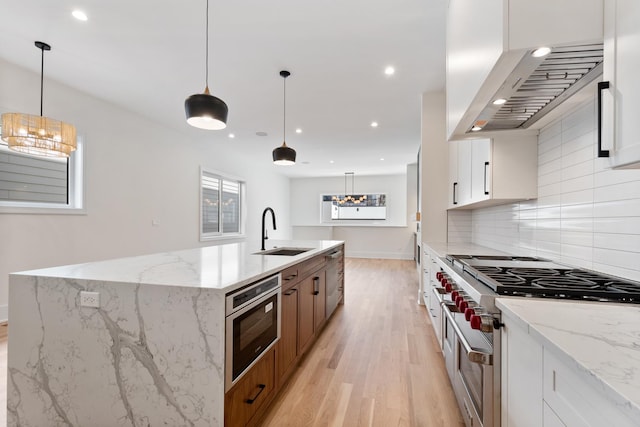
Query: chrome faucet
{"points": [[264, 230]]}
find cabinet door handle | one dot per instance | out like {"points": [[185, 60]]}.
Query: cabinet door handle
{"points": [[291, 292], [455, 184], [486, 167], [261, 387], [316, 285], [293, 276], [601, 86]]}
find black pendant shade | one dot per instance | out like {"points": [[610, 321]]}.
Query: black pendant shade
{"points": [[206, 111], [284, 155]]}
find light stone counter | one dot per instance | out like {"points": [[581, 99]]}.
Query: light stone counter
{"points": [[151, 354], [600, 341]]}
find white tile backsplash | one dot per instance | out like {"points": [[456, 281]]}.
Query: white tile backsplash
{"points": [[586, 215]]}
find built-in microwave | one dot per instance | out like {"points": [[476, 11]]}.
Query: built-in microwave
{"points": [[252, 326]]}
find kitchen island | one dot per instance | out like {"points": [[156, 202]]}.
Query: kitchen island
{"points": [[151, 353]]}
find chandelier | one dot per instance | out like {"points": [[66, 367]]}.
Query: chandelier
{"points": [[38, 135], [355, 199]]}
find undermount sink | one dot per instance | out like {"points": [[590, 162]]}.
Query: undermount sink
{"points": [[284, 251]]}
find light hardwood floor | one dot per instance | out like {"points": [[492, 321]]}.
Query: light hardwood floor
{"points": [[376, 363]]}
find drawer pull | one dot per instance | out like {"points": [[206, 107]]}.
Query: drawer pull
{"points": [[261, 387], [316, 285], [293, 276], [291, 292]]}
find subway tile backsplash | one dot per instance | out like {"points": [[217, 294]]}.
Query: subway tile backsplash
{"points": [[586, 215]]}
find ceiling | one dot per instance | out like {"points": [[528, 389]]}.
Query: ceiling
{"points": [[148, 56]]}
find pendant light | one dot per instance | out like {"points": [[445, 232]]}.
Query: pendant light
{"points": [[351, 199], [38, 135], [284, 155], [204, 110]]}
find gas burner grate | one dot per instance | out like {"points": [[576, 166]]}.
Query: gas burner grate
{"points": [[563, 282]]}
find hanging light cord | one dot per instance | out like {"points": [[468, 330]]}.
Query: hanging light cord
{"points": [[284, 110], [206, 77], [41, 79]]}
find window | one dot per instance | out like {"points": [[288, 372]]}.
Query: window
{"points": [[222, 206], [34, 184]]}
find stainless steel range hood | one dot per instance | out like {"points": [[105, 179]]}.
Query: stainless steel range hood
{"points": [[537, 85]]}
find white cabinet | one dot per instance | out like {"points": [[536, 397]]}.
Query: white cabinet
{"points": [[493, 171], [621, 101], [459, 173], [487, 39], [521, 377], [541, 389]]}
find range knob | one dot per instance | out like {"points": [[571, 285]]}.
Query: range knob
{"points": [[476, 309], [439, 275], [482, 322], [464, 303], [454, 295]]}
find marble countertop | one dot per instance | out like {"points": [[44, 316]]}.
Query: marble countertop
{"points": [[602, 342], [223, 267], [444, 248]]}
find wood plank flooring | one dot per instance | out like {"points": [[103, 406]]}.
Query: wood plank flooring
{"points": [[376, 363]]}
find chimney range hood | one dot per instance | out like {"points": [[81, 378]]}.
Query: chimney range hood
{"points": [[537, 85]]}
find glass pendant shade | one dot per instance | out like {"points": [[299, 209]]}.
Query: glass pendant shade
{"points": [[284, 155], [206, 111], [38, 135]]}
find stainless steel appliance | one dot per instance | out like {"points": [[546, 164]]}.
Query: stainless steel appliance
{"points": [[252, 325], [335, 281], [468, 286]]}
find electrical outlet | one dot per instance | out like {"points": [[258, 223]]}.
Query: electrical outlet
{"points": [[89, 299]]}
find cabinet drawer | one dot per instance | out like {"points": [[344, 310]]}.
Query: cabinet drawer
{"points": [[250, 393], [290, 276], [576, 402]]}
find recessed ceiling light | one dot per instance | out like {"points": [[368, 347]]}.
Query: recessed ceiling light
{"points": [[298, 130], [381, 158], [389, 71], [499, 101], [476, 129], [79, 15], [261, 133], [232, 135], [541, 51], [374, 124], [331, 161]]}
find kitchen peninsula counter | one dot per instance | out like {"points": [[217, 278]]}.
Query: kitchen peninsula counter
{"points": [[152, 353], [599, 342]]}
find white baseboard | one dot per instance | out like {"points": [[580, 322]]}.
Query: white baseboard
{"points": [[379, 255], [4, 313]]}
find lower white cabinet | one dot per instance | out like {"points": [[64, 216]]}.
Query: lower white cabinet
{"points": [[521, 377], [541, 389]]}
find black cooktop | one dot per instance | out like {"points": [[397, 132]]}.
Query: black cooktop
{"points": [[540, 278]]}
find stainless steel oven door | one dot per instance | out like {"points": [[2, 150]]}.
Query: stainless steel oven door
{"points": [[474, 380], [251, 331]]}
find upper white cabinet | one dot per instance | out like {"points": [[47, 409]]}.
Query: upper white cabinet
{"points": [[620, 102], [487, 40], [485, 172]]}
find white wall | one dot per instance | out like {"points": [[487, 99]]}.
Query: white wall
{"points": [[391, 238], [136, 171], [585, 215]]}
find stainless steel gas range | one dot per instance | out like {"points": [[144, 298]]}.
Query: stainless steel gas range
{"points": [[469, 323]]}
